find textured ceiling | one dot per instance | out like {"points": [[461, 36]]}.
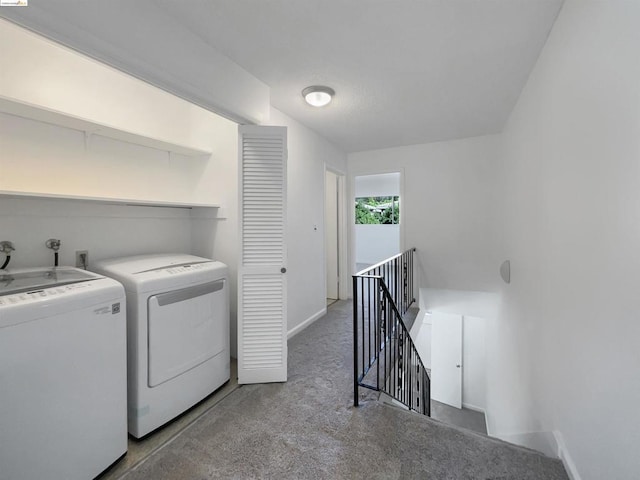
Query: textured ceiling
{"points": [[404, 71]]}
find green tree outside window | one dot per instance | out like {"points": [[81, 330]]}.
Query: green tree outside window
{"points": [[377, 210]]}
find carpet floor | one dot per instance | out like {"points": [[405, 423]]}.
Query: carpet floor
{"points": [[307, 428]]}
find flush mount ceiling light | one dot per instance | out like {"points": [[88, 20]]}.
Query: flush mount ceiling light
{"points": [[318, 96]]}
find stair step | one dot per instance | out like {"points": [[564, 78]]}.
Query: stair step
{"points": [[409, 317]]}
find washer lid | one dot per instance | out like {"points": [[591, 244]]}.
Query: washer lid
{"points": [[23, 280]]}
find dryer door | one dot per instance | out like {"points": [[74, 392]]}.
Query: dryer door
{"points": [[186, 328]]}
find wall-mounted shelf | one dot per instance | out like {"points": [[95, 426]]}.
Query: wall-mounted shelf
{"points": [[45, 115], [107, 200]]}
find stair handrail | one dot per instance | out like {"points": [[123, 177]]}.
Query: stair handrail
{"points": [[389, 286]]}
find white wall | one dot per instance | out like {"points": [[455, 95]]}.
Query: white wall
{"points": [[475, 304], [449, 207], [308, 153], [104, 230], [565, 349]]}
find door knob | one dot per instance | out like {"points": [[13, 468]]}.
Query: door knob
{"points": [[458, 365], [283, 270]]}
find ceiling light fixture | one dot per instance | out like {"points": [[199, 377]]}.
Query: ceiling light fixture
{"points": [[318, 96]]}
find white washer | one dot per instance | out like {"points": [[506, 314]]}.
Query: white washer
{"points": [[178, 333], [63, 387]]}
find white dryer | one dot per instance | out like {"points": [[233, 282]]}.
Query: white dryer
{"points": [[178, 333], [63, 387]]}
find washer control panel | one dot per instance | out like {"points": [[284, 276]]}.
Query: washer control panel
{"points": [[30, 296]]}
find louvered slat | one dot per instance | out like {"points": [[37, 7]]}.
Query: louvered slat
{"points": [[261, 317], [263, 177]]}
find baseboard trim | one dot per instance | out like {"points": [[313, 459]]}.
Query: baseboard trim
{"points": [[475, 408], [563, 454], [486, 418], [298, 328], [541, 441]]}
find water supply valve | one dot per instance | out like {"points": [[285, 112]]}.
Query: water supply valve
{"points": [[53, 244], [6, 247]]}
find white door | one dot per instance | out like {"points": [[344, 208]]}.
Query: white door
{"points": [[331, 233], [262, 286], [446, 358]]}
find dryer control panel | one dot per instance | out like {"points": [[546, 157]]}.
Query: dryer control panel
{"points": [[178, 269], [186, 268]]}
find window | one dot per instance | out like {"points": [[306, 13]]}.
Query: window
{"points": [[378, 210]]}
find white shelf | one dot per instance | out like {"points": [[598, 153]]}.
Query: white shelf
{"points": [[92, 128], [107, 200]]}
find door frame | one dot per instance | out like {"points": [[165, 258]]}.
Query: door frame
{"points": [[351, 214], [343, 251]]}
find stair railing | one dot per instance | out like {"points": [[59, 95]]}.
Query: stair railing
{"points": [[384, 356]]}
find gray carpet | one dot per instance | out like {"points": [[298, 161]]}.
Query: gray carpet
{"points": [[307, 428]]}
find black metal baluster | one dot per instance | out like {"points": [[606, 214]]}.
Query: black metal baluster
{"points": [[385, 335], [418, 381], [398, 357], [411, 378], [356, 370], [362, 293], [377, 343]]}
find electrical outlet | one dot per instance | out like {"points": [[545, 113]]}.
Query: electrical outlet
{"points": [[82, 258]]}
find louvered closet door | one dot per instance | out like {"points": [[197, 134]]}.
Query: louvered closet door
{"points": [[262, 286]]}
